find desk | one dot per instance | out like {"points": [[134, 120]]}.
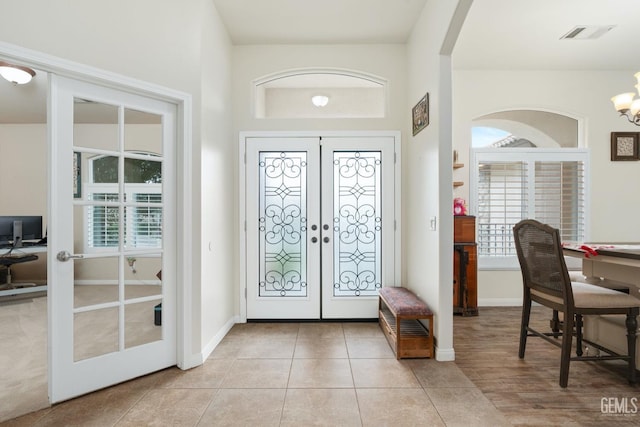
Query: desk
{"points": [[19, 255], [615, 266]]}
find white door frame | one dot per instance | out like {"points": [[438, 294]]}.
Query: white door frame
{"points": [[183, 101], [300, 134]]}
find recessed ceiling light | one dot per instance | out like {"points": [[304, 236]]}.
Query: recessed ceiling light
{"points": [[320, 100]]}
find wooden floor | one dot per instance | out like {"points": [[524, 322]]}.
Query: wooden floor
{"points": [[526, 390]]}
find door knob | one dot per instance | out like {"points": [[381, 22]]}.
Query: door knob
{"points": [[314, 240], [325, 227], [65, 256], [326, 240]]}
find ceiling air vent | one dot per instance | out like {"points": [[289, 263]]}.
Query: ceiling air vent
{"points": [[587, 32]]}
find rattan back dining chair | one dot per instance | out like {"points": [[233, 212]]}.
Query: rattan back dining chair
{"points": [[546, 281]]}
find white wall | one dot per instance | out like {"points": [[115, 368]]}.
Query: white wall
{"points": [[584, 95], [180, 45], [427, 180], [219, 216]]}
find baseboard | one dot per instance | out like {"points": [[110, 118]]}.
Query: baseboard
{"points": [[499, 302], [211, 345], [445, 355]]}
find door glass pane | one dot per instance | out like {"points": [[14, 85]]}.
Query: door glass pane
{"points": [[95, 281], [357, 223], [283, 224], [95, 333], [95, 125], [142, 276], [142, 132], [143, 322]]}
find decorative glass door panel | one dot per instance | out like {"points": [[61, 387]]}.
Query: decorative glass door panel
{"points": [[315, 205], [283, 224], [357, 223]]}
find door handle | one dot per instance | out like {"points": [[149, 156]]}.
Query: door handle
{"points": [[65, 256], [314, 240], [326, 240]]}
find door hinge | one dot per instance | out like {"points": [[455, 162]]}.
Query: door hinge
{"points": [[245, 225], [245, 293], [395, 225], [395, 158]]}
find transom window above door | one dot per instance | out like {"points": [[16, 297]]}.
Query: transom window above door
{"points": [[320, 93]]}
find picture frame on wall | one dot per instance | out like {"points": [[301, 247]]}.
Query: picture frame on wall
{"points": [[420, 114], [624, 146], [77, 176]]}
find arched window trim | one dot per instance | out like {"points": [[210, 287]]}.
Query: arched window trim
{"points": [[258, 83]]}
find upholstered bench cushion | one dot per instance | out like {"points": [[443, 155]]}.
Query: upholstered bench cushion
{"points": [[403, 302]]}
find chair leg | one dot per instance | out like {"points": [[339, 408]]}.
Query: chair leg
{"points": [[579, 335], [526, 314], [565, 357], [632, 327], [555, 324]]}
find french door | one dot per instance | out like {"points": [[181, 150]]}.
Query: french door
{"points": [[111, 239], [320, 225]]}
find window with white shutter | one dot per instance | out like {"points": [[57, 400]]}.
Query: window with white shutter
{"points": [[511, 184], [142, 207]]}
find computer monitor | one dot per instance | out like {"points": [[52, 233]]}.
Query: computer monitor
{"points": [[16, 229]]}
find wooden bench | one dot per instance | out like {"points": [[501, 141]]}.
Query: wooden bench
{"points": [[400, 311]]}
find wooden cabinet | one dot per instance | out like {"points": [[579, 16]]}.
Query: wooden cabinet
{"points": [[465, 266]]}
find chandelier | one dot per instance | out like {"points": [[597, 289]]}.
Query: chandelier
{"points": [[627, 106]]}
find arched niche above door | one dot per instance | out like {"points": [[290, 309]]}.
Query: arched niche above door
{"points": [[346, 94]]}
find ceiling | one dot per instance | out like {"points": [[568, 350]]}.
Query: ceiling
{"points": [[525, 34], [497, 34], [325, 21]]}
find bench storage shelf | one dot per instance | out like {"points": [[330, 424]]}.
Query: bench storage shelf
{"points": [[399, 314]]}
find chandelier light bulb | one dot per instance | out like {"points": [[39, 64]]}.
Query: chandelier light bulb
{"points": [[628, 105]]}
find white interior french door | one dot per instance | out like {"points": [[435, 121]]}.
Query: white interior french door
{"points": [[111, 237], [320, 225]]}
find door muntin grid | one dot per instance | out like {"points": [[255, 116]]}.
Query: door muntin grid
{"points": [[282, 224], [357, 223]]}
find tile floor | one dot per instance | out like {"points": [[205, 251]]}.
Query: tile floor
{"points": [[288, 374]]}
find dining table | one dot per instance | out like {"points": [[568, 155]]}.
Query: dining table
{"points": [[614, 266]]}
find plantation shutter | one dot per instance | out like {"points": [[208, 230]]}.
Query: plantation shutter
{"points": [[512, 184], [103, 222], [146, 226], [502, 202], [559, 197]]}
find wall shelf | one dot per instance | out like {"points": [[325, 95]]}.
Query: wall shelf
{"points": [[457, 166]]}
